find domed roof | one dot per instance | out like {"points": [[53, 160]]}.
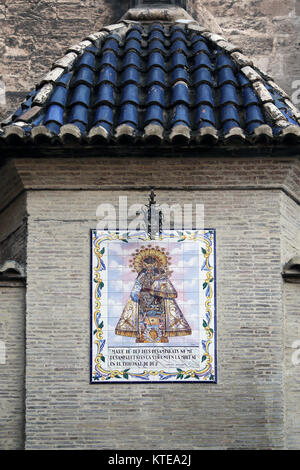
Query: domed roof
{"points": [[164, 80]]}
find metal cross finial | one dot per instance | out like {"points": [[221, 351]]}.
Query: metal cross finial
{"points": [[153, 216], [152, 197]]}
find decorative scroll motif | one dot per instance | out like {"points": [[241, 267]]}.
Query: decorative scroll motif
{"points": [[153, 307]]}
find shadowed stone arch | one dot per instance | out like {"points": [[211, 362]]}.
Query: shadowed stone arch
{"points": [[11, 270], [291, 270]]}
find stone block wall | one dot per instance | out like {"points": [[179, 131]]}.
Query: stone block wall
{"points": [[34, 34], [267, 30]]}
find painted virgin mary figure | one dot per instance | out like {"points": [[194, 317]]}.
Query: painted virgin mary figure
{"points": [[152, 314]]}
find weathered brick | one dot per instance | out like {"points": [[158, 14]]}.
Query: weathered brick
{"points": [[244, 201], [12, 386]]}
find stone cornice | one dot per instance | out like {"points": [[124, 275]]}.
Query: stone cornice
{"points": [[209, 173]]}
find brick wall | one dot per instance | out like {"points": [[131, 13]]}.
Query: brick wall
{"points": [[246, 408], [290, 221], [12, 313], [12, 335], [252, 204], [34, 34]]}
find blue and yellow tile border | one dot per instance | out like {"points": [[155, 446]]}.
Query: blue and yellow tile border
{"points": [[207, 372]]}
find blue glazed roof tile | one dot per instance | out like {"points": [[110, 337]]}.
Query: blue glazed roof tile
{"points": [[156, 95], [156, 74], [179, 35], [130, 75], [243, 80], [229, 95], [203, 75], [107, 75], [132, 58], [204, 124], [137, 27], [93, 49], [133, 44], [53, 127], [78, 113], [85, 75], [180, 94], [28, 102], [280, 105], [88, 59], [204, 95], [81, 126], [253, 113], [129, 114], [38, 121], [288, 116], [228, 126], [157, 27], [134, 34], [252, 126], [105, 95], [181, 115], [104, 113], [178, 60], [156, 59], [196, 37], [179, 46], [229, 113], [157, 46], [249, 96], [18, 112], [180, 74], [200, 46], [81, 95], [154, 113], [224, 61], [64, 80], [130, 94], [31, 94], [176, 27], [111, 44], [106, 125], [226, 75], [202, 60], [205, 113], [156, 36], [59, 96], [55, 113], [108, 58]]}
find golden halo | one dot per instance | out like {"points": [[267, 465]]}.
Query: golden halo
{"points": [[139, 256]]}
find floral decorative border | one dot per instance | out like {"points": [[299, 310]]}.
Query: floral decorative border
{"points": [[207, 374]]}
